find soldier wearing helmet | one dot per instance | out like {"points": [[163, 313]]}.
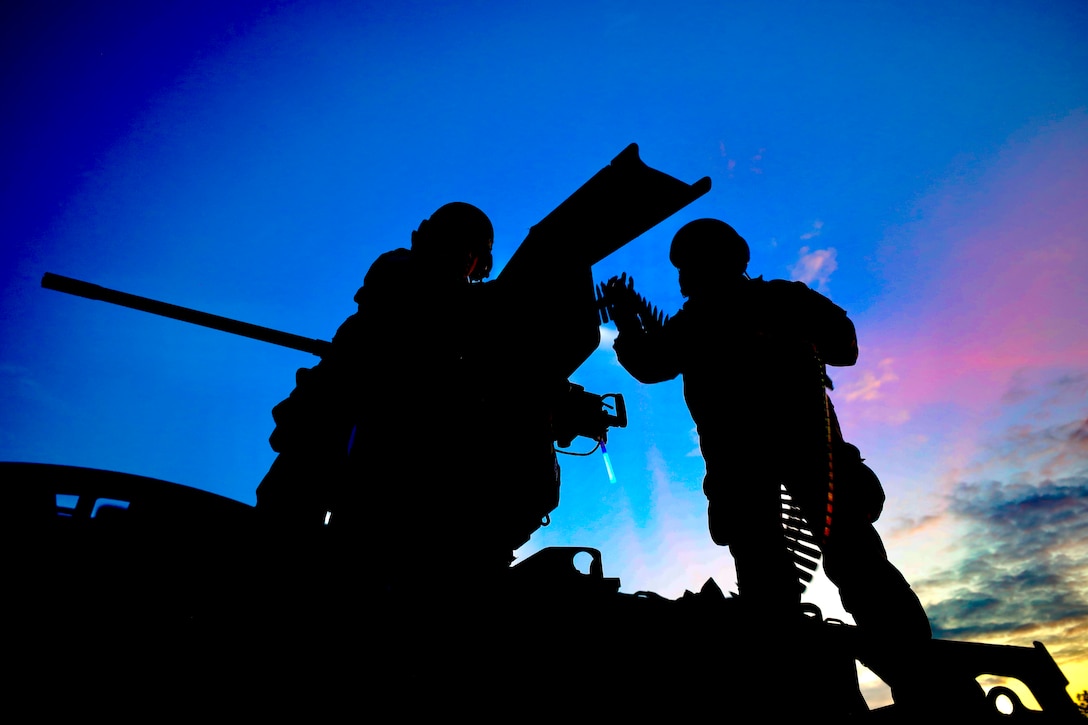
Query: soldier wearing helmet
{"points": [[348, 436], [752, 355], [457, 238]]}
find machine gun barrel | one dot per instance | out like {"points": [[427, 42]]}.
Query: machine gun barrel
{"points": [[91, 291]]}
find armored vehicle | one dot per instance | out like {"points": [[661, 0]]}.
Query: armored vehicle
{"points": [[137, 596]]}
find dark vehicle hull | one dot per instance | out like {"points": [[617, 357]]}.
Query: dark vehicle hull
{"points": [[144, 593]]}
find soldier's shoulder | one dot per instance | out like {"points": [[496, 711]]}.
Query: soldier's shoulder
{"points": [[398, 261], [797, 295], [791, 288], [774, 291], [783, 286], [387, 270]]}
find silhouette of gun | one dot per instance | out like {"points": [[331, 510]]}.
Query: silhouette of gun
{"points": [[542, 284], [546, 288]]}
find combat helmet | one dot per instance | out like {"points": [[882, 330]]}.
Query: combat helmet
{"points": [[457, 234], [710, 245]]}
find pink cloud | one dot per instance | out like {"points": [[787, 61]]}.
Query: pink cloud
{"points": [[815, 266], [816, 227], [868, 385]]}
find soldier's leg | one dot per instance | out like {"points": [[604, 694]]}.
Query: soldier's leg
{"points": [[745, 515], [872, 589], [893, 627]]}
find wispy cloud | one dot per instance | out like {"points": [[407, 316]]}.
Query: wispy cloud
{"points": [[869, 385], [1036, 430], [815, 266], [696, 451], [1048, 450], [1023, 386], [730, 163], [757, 162], [816, 227], [866, 395]]}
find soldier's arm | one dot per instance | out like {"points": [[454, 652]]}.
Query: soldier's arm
{"points": [[650, 356], [840, 346], [642, 345], [808, 314], [833, 332]]}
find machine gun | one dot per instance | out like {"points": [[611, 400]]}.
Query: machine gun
{"points": [[546, 286], [546, 289]]}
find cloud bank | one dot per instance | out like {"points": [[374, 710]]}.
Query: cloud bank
{"points": [[1026, 576]]}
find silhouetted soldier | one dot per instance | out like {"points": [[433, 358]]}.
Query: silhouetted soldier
{"points": [[375, 426], [752, 355]]}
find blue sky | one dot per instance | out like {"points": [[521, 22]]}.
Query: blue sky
{"points": [[921, 163]]}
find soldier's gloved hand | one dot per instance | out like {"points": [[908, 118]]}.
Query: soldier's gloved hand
{"points": [[621, 299]]}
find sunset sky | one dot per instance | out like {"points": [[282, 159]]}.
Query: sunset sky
{"points": [[923, 164]]}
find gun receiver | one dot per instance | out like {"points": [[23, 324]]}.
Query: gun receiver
{"points": [[176, 312]]}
